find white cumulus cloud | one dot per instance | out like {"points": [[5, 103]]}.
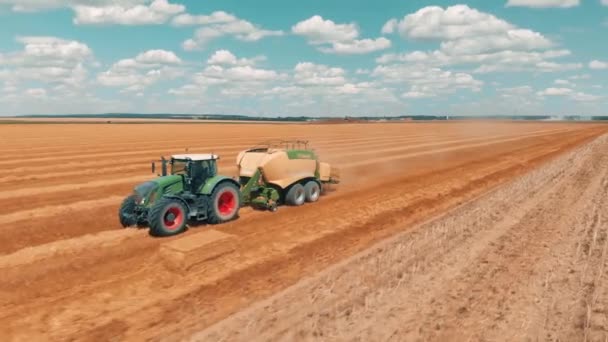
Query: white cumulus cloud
{"points": [[39, 5], [358, 46], [135, 74], [556, 92], [454, 22], [158, 57], [217, 17], [49, 50], [331, 37], [35, 92], [597, 65], [225, 57], [157, 12], [46, 59], [312, 74], [425, 81], [320, 31], [563, 82], [220, 24], [515, 39], [569, 93], [469, 36], [544, 3]]}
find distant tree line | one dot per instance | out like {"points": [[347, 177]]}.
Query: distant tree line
{"points": [[309, 118]]}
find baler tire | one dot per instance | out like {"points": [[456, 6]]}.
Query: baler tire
{"points": [[163, 225], [126, 211], [224, 203], [312, 191], [296, 195]]}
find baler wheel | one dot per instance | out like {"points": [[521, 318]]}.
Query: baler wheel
{"points": [[168, 217], [312, 190], [296, 195]]}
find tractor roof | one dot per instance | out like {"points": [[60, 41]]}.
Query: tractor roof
{"points": [[205, 156]]}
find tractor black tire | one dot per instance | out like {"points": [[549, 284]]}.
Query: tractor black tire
{"points": [[296, 195], [126, 213], [312, 191], [224, 203], [168, 217]]}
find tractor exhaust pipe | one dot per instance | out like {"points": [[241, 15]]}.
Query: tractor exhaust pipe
{"points": [[163, 163]]}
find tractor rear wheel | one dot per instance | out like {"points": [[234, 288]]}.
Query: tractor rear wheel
{"points": [[312, 191], [126, 213], [224, 205], [296, 195], [168, 217]]}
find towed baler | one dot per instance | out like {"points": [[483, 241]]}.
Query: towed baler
{"points": [[282, 172]]}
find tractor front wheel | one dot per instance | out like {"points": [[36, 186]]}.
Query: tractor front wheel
{"points": [[168, 217], [126, 213], [224, 205]]}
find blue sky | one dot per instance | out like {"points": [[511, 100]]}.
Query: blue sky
{"points": [[313, 58]]}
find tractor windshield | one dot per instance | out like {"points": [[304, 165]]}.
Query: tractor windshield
{"points": [[178, 167]]}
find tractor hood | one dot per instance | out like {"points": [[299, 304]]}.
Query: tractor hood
{"points": [[169, 180], [146, 193]]}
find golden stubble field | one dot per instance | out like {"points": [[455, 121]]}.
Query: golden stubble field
{"points": [[72, 273]]}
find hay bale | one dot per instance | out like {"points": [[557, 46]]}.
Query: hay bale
{"points": [[197, 250]]}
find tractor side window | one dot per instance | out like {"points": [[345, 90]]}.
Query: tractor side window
{"points": [[178, 167], [208, 167], [199, 170]]}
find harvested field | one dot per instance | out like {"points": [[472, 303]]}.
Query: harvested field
{"points": [[71, 273], [524, 262]]}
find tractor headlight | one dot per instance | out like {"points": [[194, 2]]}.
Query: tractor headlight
{"points": [[145, 192]]}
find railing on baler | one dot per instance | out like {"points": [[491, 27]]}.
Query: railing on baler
{"points": [[280, 144]]}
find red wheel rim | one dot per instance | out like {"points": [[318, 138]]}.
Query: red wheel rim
{"points": [[173, 218], [226, 203]]}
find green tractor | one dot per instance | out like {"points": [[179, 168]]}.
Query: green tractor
{"points": [[191, 191]]}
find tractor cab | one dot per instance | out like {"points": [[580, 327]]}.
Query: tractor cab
{"points": [[194, 168]]}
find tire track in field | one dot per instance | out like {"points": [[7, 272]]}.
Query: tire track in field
{"points": [[69, 187], [33, 235], [167, 149], [117, 135], [191, 293], [13, 258], [177, 143], [99, 166], [442, 150], [65, 187], [108, 213], [81, 163], [7, 199], [139, 164], [298, 264], [455, 278], [56, 210], [212, 143], [457, 142]]}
